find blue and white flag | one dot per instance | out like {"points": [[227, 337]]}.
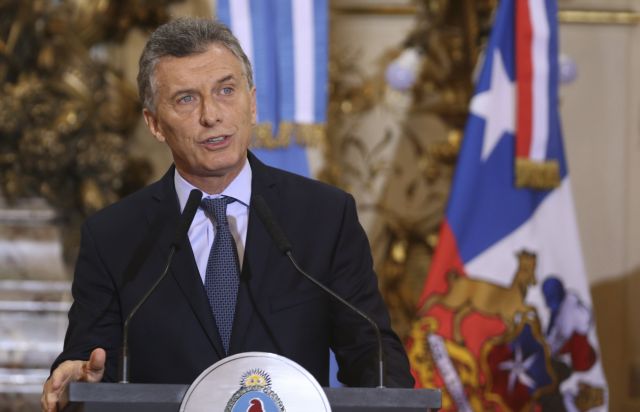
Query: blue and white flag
{"points": [[506, 316], [287, 44]]}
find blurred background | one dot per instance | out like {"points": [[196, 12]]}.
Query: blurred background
{"points": [[400, 76]]}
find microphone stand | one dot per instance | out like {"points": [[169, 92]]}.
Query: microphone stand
{"points": [[124, 365], [188, 214], [353, 308], [282, 243]]}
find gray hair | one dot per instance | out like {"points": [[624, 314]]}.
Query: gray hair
{"points": [[179, 38]]}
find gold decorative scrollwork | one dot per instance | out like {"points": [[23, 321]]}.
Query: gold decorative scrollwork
{"points": [[65, 113]]}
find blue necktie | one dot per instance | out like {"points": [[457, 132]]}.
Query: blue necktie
{"points": [[222, 276]]}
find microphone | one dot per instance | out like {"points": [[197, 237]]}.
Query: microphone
{"points": [[283, 244], [188, 214]]}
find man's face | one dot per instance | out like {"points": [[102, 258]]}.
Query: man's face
{"points": [[205, 112]]}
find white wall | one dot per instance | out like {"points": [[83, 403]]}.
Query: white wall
{"points": [[601, 115]]}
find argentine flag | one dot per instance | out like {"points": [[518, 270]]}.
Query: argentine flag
{"points": [[287, 44]]}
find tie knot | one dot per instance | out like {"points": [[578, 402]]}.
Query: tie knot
{"points": [[217, 208]]}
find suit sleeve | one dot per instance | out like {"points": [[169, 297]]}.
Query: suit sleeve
{"points": [[353, 339], [94, 316]]}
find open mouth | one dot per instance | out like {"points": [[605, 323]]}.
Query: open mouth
{"points": [[215, 140]]}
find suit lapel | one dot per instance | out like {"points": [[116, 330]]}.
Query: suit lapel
{"points": [[258, 249], [184, 270]]}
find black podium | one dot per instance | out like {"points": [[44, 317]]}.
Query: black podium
{"points": [[114, 397]]}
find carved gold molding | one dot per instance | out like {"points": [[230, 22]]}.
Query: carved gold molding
{"points": [[617, 17], [625, 17]]}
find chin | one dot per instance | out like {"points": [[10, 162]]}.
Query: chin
{"points": [[222, 168]]}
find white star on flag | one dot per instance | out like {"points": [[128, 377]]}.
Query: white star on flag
{"points": [[496, 105], [518, 369]]}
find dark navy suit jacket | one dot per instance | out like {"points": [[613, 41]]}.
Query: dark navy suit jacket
{"points": [[173, 337]]}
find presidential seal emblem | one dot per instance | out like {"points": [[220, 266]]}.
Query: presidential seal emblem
{"points": [[267, 382], [255, 394]]}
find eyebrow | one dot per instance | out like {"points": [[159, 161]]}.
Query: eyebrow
{"points": [[225, 78]]}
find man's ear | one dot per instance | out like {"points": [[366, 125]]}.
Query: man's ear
{"points": [[254, 110], [152, 123]]}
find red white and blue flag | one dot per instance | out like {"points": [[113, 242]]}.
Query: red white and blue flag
{"points": [[506, 318]]}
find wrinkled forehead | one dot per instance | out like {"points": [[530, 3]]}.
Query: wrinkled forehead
{"points": [[214, 57]]}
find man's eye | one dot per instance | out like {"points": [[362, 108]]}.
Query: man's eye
{"points": [[226, 90], [185, 99]]}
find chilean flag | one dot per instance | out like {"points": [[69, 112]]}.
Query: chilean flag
{"points": [[505, 314]]}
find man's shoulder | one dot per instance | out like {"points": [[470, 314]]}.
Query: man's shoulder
{"points": [[301, 185]]}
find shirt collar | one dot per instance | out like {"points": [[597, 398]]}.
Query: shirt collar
{"points": [[239, 188]]}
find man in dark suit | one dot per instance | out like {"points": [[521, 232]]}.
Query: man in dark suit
{"points": [[198, 95]]}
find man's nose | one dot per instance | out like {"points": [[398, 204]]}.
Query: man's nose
{"points": [[210, 112]]}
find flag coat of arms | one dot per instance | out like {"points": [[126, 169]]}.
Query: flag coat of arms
{"points": [[506, 320]]}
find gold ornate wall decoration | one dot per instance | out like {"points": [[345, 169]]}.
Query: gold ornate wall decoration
{"points": [[352, 94], [65, 113]]}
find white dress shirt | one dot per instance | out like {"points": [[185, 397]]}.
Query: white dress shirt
{"points": [[202, 231]]}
